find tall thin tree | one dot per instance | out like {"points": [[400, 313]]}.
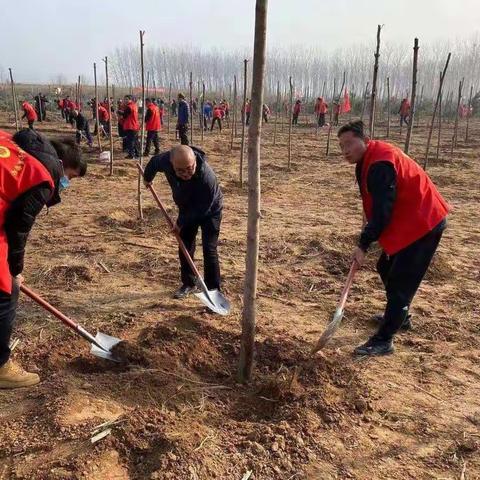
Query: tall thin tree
{"points": [[253, 227], [290, 122], [388, 107], [244, 116], [468, 113], [109, 104], [15, 102], [97, 123], [142, 129], [234, 111], [412, 98], [373, 98]]}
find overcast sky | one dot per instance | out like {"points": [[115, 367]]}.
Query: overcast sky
{"points": [[42, 39]]}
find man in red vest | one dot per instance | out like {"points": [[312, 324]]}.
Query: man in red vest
{"points": [[33, 171], [29, 113], [321, 109], [152, 126], [405, 213], [404, 112], [104, 118], [131, 126]]}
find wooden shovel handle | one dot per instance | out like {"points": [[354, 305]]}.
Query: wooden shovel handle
{"points": [[348, 285], [50, 308]]}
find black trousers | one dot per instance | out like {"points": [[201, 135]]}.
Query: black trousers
{"points": [[214, 120], [295, 119], [402, 274], [106, 126], [405, 119], [210, 230], [131, 142], [8, 308], [152, 137], [182, 133], [30, 124], [86, 132], [321, 119]]}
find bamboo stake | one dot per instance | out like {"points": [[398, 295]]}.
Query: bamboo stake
{"points": [[290, 126], [253, 228], [364, 103], [79, 97], [371, 125], [439, 125], [242, 148], [142, 129], [14, 101], [97, 123], [420, 103], [412, 98], [429, 139], [109, 104]]}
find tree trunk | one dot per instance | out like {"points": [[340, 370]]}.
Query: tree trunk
{"points": [[110, 113], [253, 228], [191, 107], [439, 125], [364, 103], [440, 86], [412, 98], [97, 123], [202, 129], [15, 102], [468, 113], [277, 106], [234, 111], [290, 122], [169, 108], [142, 130], [337, 100], [373, 98], [420, 103], [388, 107], [457, 114], [244, 116]]}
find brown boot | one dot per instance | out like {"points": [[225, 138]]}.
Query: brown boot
{"points": [[13, 375]]}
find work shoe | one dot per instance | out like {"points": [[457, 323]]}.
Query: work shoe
{"points": [[406, 325], [13, 375], [183, 291], [375, 346]]}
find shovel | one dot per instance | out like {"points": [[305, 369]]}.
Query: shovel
{"points": [[101, 343], [337, 317], [214, 300]]}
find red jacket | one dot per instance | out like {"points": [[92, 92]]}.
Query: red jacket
{"points": [[405, 108], [217, 112], [19, 172], [131, 121], [30, 112], [297, 108], [153, 123], [103, 114], [418, 207]]}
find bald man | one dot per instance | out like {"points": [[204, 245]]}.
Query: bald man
{"points": [[199, 199]]}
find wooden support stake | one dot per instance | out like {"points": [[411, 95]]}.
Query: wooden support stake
{"points": [[109, 104], [290, 123], [373, 98], [191, 108], [412, 98], [97, 123], [142, 129], [277, 106], [242, 148], [468, 113], [457, 115], [388, 107], [234, 111], [15, 103], [169, 108], [334, 100]]}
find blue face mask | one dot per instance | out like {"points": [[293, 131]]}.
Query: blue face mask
{"points": [[64, 183]]}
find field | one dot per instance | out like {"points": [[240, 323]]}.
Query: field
{"points": [[180, 414]]}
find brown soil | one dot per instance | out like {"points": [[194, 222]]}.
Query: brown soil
{"points": [[181, 414]]}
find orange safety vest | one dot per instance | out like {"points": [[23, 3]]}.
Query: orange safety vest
{"points": [[153, 124]]}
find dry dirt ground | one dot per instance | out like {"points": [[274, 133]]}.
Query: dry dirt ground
{"points": [[179, 413]]}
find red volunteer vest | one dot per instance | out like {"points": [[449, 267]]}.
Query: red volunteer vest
{"points": [[30, 111], [153, 123], [131, 122], [418, 207], [103, 114], [19, 172]]}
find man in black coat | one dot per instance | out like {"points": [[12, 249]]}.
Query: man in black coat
{"points": [[82, 128], [33, 171], [199, 199]]}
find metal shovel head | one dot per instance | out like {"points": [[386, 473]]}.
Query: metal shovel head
{"points": [[107, 342], [330, 330], [215, 301]]}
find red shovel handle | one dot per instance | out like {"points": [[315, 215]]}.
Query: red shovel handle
{"points": [[172, 225], [348, 285], [36, 298]]}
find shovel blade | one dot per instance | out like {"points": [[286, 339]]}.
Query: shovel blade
{"points": [[215, 301], [107, 342], [329, 332]]}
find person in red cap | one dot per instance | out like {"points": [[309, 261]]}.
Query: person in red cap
{"points": [[405, 213], [33, 171], [152, 126], [29, 113]]}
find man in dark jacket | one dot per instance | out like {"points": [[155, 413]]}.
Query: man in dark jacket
{"points": [[82, 127], [199, 199], [183, 119], [405, 213], [33, 171]]}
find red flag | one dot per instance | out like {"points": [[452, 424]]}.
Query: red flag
{"points": [[345, 106]]}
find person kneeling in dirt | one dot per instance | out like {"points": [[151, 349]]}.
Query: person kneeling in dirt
{"points": [[406, 214], [197, 194], [33, 171]]}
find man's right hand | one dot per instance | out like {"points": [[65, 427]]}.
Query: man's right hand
{"points": [[18, 279], [147, 184]]}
